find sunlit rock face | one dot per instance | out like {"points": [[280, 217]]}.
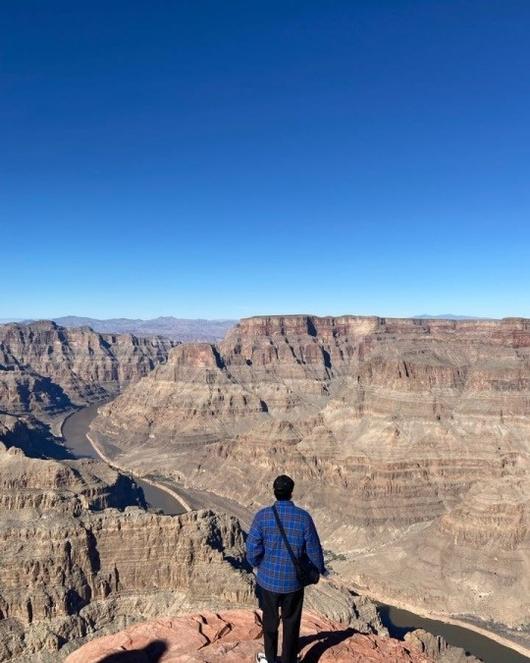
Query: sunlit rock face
{"points": [[73, 564], [78, 363], [408, 440], [30, 487]]}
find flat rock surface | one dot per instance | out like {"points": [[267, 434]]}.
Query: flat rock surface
{"points": [[235, 636]]}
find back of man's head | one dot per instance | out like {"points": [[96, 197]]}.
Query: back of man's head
{"points": [[283, 487]]}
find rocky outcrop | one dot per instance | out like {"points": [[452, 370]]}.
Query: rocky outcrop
{"points": [[30, 487], [64, 578], [408, 440], [495, 514], [235, 636], [72, 566], [437, 648]]}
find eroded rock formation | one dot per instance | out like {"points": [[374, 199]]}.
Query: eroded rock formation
{"points": [[30, 487], [408, 440], [47, 370], [71, 566], [435, 647]]}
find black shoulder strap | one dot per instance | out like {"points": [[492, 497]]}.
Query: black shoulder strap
{"points": [[285, 540]]}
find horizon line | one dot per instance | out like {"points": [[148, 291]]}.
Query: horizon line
{"points": [[423, 316]]}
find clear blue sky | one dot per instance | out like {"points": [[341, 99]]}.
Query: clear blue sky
{"points": [[230, 158]]}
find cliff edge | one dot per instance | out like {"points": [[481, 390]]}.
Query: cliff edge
{"points": [[234, 636]]}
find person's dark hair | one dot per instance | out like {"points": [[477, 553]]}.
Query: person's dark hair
{"points": [[283, 487]]}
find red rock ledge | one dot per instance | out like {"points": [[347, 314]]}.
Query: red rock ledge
{"points": [[234, 636]]}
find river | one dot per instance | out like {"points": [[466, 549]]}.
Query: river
{"points": [[74, 432], [398, 621]]}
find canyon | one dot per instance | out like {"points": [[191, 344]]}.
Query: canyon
{"points": [[48, 371], [407, 439], [81, 556]]}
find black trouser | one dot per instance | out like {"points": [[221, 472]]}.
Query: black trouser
{"points": [[291, 610]]}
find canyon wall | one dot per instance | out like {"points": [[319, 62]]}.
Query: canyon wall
{"points": [[47, 371], [73, 564]]}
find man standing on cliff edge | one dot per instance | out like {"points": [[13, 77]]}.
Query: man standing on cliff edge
{"points": [[286, 561]]}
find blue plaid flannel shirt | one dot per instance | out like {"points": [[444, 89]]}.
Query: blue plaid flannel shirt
{"points": [[266, 549]]}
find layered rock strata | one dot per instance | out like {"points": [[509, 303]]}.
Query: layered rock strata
{"points": [[71, 566], [47, 370], [435, 647], [473, 562], [408, 440], [31, 487]]}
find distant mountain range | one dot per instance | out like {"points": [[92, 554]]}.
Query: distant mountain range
{"points": [[177, 329], [180, 329], [450, 316]]}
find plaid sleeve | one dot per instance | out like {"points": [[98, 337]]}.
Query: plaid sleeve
{"points": [[313, 548], [255, 548]]}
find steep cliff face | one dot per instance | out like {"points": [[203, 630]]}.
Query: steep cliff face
{"points": [[71, 566], [72, 561], [436, 648], [68, 487], [390, 427], [472, 562], [46, 370], [78, 363]]}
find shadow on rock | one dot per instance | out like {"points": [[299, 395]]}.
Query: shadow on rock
{"points": [[150, 654], [37, 441], [322, 642]]}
